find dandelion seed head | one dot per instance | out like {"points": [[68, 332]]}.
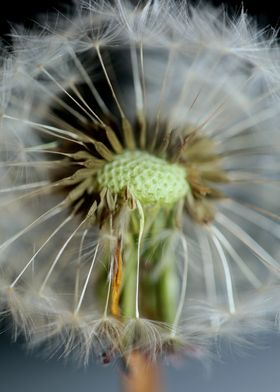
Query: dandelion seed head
{"points": [[139, 166], [149, 179]]}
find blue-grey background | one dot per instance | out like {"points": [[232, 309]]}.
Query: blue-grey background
{"points": [[256, 370]]}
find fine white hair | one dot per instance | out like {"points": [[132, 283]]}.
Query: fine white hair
{"points": [[188, 67]]}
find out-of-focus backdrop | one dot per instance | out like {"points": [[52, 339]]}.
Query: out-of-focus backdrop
{"points": [[257, 371]]}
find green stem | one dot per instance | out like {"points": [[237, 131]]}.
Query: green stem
{"points": [[129, 285]]}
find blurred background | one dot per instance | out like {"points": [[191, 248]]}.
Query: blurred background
{"points": [[256, 370], [253, 370]]}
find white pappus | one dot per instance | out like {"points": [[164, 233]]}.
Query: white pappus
{"points": [[139, 166]]}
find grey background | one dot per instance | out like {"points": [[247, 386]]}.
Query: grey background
{"points": [[256, 370]]}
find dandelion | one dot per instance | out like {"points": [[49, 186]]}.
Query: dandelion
{"points": [[139, 180]]}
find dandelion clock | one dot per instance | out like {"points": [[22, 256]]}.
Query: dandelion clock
{"points": [[139, 194]]}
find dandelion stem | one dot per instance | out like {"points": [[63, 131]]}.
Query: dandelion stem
{"points": [[167, 293], [129, 287], [141, 374]]}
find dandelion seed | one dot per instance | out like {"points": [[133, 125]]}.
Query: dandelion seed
{"points": [[139, 175]]}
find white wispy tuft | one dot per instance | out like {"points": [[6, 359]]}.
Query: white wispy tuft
{"points": [[192, 85]]}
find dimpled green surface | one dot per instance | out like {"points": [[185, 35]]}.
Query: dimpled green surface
{"points": [[149, 178]]}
